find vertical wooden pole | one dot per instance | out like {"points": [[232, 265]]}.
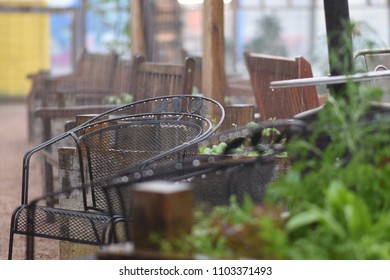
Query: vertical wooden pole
{"points": [[137, 29], [213, 68]]}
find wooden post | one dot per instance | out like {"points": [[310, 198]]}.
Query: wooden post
{"points": [[213, 68], [238, 115], [137, 29], [161, 208], [70, 176]]}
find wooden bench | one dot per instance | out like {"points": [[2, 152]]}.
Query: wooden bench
{"points": [[89, 82], [239, 98], [137, 77], [152, 79], [280, 104]]}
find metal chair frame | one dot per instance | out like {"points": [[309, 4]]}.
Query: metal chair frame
{"points": [[95, 213]]}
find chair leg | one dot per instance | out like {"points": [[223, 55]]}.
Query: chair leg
{"points": [[10, 245], [29, 247], [112, 234]]}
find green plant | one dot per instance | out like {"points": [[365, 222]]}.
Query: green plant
{"points": [[245, 146], [269, 39], [333, 203], [124, 98], [234, 231], [338, 197]]}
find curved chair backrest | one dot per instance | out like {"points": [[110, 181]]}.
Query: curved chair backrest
{"points": [[71, 138], [189, 104], [132, 143]]}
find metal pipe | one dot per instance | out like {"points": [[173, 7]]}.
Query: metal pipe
{"points": [[330, 80]]}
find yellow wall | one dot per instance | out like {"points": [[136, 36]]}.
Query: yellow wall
{"points": [[24, 48]]}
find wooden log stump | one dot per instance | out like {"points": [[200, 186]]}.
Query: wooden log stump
{"points": [[69, 175], [161, 208], [238, 115]]}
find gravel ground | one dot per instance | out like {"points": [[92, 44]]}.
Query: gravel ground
{"points": [[13, 145]]}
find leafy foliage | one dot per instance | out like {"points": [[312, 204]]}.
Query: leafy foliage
{"points": [[256, 145], [269, 39], [333, 203], [237, 231], [338, 197], [124, 98]]}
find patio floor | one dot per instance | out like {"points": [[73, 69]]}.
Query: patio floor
{"points": [[13, 145]]}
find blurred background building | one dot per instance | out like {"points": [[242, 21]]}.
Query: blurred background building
{"points": [[51, 34]]}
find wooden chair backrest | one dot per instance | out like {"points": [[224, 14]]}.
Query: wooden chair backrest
{"points": [[285, 103], [95, 70], [152, 79], [375, 60], [121, 80]]}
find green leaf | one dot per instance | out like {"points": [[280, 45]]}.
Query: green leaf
{"points": [[303, 219], [318, 217]]}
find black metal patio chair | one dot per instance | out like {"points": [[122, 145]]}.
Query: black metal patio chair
{"points": [[104, 148], [112, 143]]}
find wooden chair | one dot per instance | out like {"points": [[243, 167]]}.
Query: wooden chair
{"points": [[153, 79], [139, 78], [280, 104], [89, 83], [375, 60]]}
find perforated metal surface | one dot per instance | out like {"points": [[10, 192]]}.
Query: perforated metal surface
{"points": [[187, 104], [85, 227], [124, 146]]}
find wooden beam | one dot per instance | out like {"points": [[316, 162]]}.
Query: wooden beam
{"points": [[137, 27], [213, 69]]}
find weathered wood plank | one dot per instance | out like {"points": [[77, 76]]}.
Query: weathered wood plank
{"points": [[213, 74]]}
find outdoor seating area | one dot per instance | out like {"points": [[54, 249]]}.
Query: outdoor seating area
{"points": [[159, 151]]}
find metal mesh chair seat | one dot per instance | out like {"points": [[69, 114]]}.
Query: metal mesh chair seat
{"points": [[211, 183], [55, 223]]}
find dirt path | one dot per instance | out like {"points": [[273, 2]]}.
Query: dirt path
{"points": [[13, 145]]}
